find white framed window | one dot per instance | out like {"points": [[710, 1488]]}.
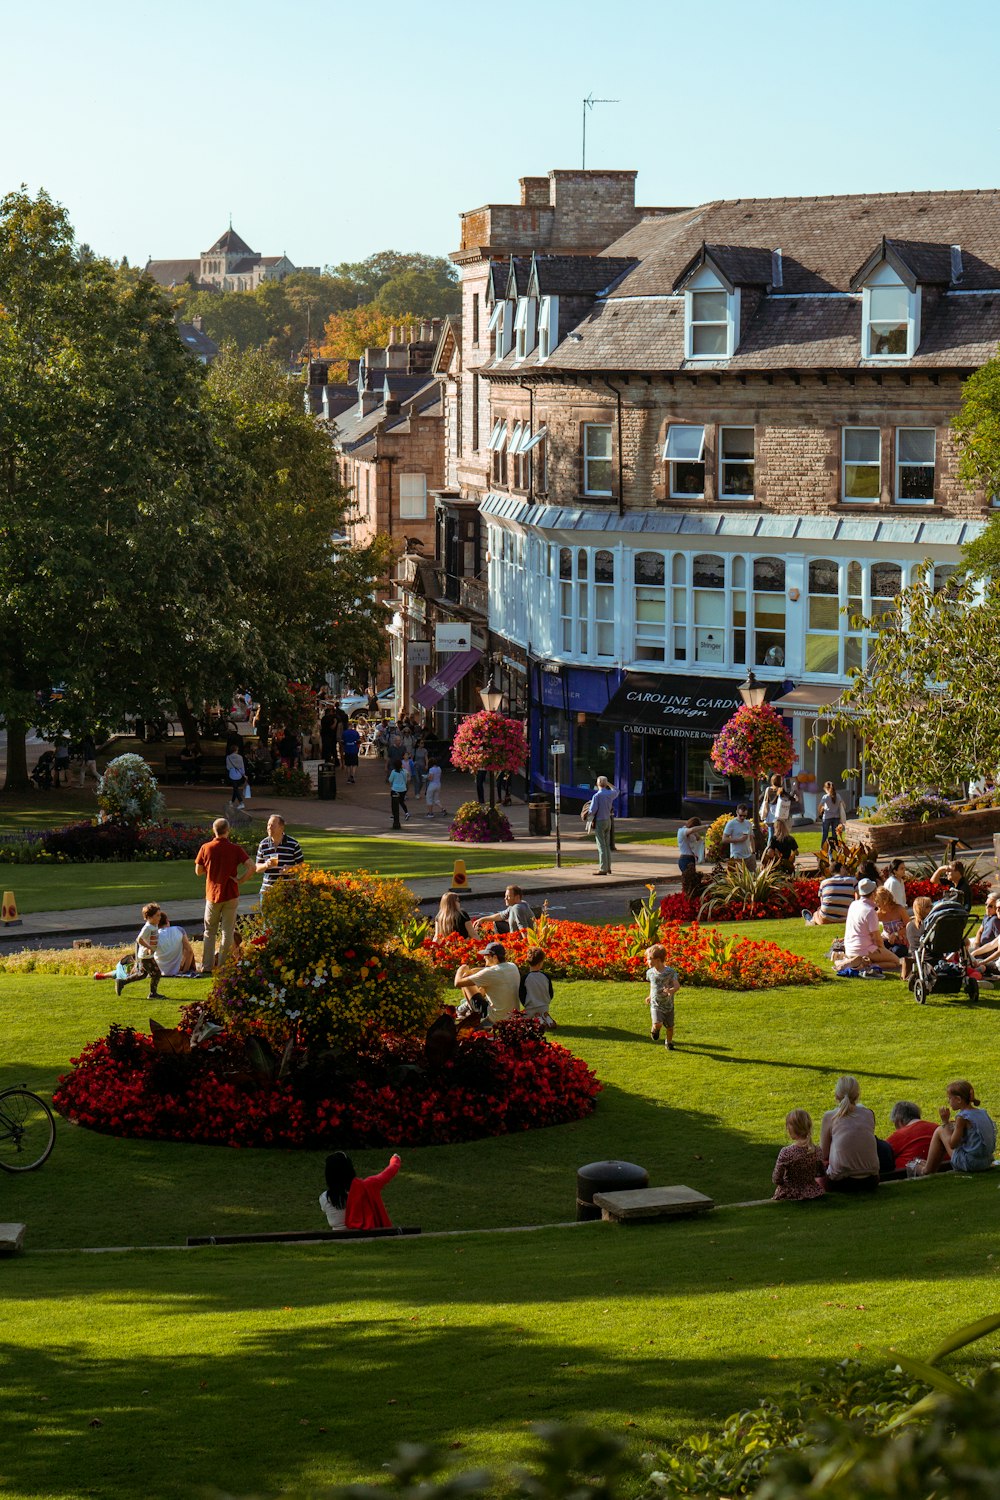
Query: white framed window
{"points": [[890, 317], [684, 451], [604, 604], [679, 605], [768, 612], [501, 323], [915, 455], [498, 435], [861, 464], [650, 607], [412, 497], [597, 458], [548, 326], [736, 463], [709, 597], [500, 455], [524, 327], [711, 314]]}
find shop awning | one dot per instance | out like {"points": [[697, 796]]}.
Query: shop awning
{"points": [[673, 706], [807, 702], [454, 669]]}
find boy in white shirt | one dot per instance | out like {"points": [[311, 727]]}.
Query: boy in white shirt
{"points": [[145, 953]]}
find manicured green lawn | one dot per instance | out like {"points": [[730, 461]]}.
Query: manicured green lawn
{"points": [[53, 887], [261, 1368]]}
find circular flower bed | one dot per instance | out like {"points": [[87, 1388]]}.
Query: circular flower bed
{"points": [[701, 955], [475, 824], [93, 843], [323, 1032], [393, 1092]]}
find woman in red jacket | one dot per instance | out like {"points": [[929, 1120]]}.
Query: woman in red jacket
{"points": [[353, 1202]]}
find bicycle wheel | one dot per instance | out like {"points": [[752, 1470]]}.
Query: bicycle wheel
{"points": [[27, 1131]]}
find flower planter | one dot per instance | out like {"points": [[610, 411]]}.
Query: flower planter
{"points": [[970, 827]]}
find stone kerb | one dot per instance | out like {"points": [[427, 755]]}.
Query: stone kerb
{"points": [[970, 827]]}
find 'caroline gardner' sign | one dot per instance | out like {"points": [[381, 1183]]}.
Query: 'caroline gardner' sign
{"points": [[672, 706]]}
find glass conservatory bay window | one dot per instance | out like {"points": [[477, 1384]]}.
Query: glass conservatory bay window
{"points": [[862, 463], [709, 577], [769, 612], [915, 450], [604, 604], [650, 606], [684, 451]]}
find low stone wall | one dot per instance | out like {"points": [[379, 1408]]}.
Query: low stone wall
{"points": [[970, 827]]}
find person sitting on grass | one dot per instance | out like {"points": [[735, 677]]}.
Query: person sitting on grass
{"points": [[836, 893], [174, 953], [664, 983], [912, 1136], [968, 1141], [921, 910], [985, 944], [782, 849], [798, 1172], [894, 919], [863, 945], [515, 916], [953, 877], [353, 1202], [451, 918], [895, 882], [535, 993], [847, 1141], [491, 994]]}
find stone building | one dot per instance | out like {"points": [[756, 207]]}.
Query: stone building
{"points": [[229, 266], [711, 444]]}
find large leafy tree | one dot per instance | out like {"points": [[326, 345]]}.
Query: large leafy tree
{"points": [[977, 427], [102, 452], [927, 705]]}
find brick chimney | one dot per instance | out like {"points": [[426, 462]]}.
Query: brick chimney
{"points": [[534, 192]]}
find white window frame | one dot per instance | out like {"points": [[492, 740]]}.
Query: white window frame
{"points": [[859, 463], [705, 281], [589, 458], [498, 433], [504, 330], [495, 316], [524, 327], [548, 326], [674, 456], [723, 493], [885, 279], [912, 464], [413, 507]]}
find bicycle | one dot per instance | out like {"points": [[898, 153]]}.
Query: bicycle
{"points": [[27, 1130]]}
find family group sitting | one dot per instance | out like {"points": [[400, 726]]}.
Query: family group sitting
{"points": [[851, 1158], [496, 989]]}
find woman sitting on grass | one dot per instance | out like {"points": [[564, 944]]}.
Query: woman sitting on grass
{"points": [[782, 849], [798, 1172], [847, 1141], [968, 1141], [451, 918], [353, 1202], [921, 911], [893, 918]]}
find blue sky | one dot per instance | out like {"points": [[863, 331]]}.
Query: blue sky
{"points": [[331, 130]]}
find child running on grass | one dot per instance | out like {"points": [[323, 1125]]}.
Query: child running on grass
{"points": [[664, 983], [145, 954], [798, 1172], [535, 993]]}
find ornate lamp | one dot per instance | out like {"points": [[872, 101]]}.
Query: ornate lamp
{"points": [[753, 692]]}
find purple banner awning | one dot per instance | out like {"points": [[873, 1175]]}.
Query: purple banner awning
{"points": [[454, 669]]}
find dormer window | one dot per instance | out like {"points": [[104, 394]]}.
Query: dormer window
{"points": [[524, 326], [548, 326], [890, 316], [501, 326], [710, 315]]}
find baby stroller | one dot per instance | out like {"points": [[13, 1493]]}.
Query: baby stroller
{"points": [[941, 959]]}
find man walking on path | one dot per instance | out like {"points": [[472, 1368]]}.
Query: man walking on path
{"points": [[224, 865], [276, 853], [88, 759], [601, 807]]}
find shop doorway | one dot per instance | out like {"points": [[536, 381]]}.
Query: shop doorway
{"points": [[662, 777]]}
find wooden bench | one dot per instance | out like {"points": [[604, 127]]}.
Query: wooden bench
{"points": [[652, 1203], [12, 1238], [303, 1236]]}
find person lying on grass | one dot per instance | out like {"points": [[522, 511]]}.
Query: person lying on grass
{"points": [[664, 983], [353, 1202], [798, 1173], [967, 1141]]}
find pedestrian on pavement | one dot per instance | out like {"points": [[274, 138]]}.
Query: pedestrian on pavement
{"points": [[420, 762], [350, 747], [599, 810], [236, 773], [88, 758], [690, 847], [480, 787], [328, 735], [276, 853], [432, 792], [397, 790], [224, 865]]}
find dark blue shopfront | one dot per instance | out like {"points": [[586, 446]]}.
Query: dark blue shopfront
{"points": [[650, 734]]}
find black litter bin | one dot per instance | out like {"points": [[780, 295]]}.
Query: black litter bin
{"points": [[539, 819], [327, 782], [605, 1177]]}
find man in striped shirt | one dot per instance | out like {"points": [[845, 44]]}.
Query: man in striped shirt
{"points": [[276, 852], [836, 894]]}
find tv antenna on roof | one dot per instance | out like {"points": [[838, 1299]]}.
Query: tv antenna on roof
{"points": [[589, 103]]}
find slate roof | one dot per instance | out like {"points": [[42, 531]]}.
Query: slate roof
{"points": [[580, 275], [248, 263], [172, 272], [230, 244], [198, 342]]}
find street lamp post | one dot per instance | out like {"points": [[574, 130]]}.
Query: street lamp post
{"points": [[492, 697], [753, 694]]}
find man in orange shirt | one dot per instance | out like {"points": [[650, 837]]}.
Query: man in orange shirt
{"points": [[224, 864]]}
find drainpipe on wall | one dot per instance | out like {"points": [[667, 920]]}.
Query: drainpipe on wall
{"points": [[618, 400]]}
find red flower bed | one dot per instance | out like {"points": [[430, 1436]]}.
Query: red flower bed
{"points": [[701, 955], [496, 1083], [788, 901]]}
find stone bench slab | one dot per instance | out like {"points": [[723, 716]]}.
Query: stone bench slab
{"points": [[11, 1238], [652, 1203]]}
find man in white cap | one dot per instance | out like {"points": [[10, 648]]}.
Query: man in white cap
{"points": [[863, 943], [499, 982]]}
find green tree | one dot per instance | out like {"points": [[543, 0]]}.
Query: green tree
{"points": [[927, 705]]}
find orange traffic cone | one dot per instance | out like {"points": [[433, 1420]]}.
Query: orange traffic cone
{"points": [[8, 911], [459, 880]]}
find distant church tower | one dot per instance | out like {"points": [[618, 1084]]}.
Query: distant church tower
{"points": [[219, 264]]}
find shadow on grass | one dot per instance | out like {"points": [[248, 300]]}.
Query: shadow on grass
{"points": [[719, 1055]]}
